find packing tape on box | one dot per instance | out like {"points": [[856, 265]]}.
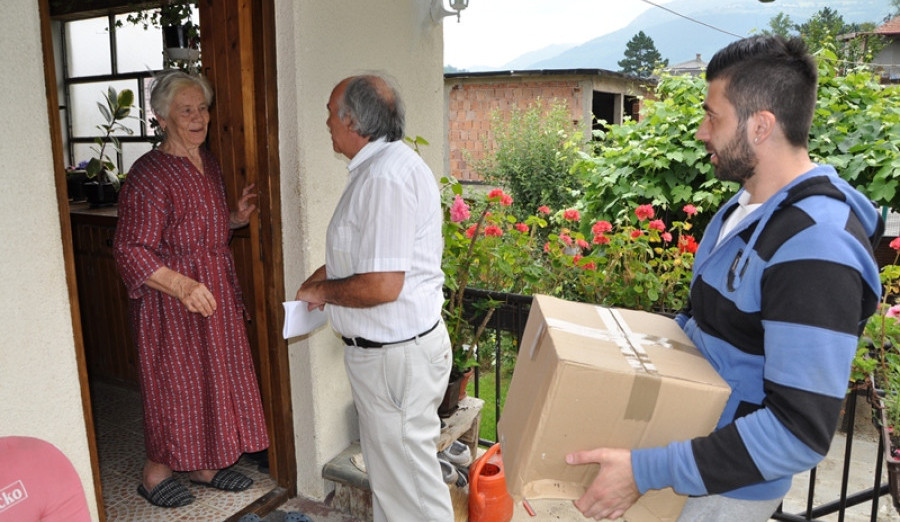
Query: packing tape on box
{"points": [[642, 400]]}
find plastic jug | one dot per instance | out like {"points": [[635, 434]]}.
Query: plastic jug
{"points": [[489, 501]]}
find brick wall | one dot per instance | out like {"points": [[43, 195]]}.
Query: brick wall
{"points": [[470, 105]]}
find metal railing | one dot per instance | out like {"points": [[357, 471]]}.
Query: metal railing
{"points": [[508, 325]]}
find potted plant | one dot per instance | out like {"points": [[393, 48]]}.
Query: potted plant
{"points": [[75, 178], [103, 185], [877, 364], [181, 36], [465, 250]]}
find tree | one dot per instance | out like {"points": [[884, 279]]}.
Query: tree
{"points": [[852, 43], [641, 56], [781, 25]]}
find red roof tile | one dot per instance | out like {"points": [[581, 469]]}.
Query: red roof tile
{"points": [[891, 27]]}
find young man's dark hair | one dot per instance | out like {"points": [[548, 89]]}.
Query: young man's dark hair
{"points": [[770, 73]]}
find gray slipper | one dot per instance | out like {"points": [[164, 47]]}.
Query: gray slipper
{"points": [[228, 480], [168, 494]]}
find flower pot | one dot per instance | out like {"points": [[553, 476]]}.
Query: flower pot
{"points": [[464, 382], [891, 449], [100, 194], [75, 185], [179, 43], [451, 397]]}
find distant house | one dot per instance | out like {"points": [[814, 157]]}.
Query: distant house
{"points": [[693, 67], [888, 59], [471, 98]]}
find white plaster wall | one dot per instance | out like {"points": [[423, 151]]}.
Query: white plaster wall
{"points": [[320, 42], [40, 394]]}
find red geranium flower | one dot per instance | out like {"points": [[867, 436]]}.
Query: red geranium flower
{"points": [[689, 210], [636, 234], [571, 215], [658, 225], [522, 227], [644, 212], [544, 209], [600, 239], [687, 243], [493, 230], [601, 227]]}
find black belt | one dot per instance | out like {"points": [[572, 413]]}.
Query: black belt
{"points": [[362, 342]]}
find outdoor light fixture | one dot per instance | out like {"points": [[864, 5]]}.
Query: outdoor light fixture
{"points": [[438, 12]]}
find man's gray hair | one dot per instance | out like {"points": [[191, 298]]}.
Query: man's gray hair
{"points": [[374, 106]]}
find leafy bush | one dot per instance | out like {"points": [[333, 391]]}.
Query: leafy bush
{"points": [[656, 160], [856, 129], [534, 151]]}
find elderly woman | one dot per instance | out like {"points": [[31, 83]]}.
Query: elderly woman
{"points": [[202, 406]]}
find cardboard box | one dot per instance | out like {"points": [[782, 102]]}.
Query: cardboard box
{"points": [[588, 377]]}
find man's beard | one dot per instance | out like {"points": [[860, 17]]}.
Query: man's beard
{"points": [[737, 160]]}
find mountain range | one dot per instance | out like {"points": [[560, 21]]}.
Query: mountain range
{"points": [[704, 27]]}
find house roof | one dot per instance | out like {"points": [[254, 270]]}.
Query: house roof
{"points": [[891, 27], [695, 65], [545, 72]]}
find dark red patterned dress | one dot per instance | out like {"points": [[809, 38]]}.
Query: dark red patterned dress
{"points": [[202, 407]]}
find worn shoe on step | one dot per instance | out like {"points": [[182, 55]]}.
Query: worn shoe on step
{"points": [[457, 454]]}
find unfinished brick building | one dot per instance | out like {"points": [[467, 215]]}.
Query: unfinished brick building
{"points": [[472, 97]]}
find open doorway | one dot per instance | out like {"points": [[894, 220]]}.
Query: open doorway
{"points": [[108, 359]]}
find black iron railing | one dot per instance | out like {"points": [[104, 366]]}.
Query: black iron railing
{"points": [[508, 325]]}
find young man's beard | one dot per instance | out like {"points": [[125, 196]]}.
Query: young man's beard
{"points": [[737, 160]]}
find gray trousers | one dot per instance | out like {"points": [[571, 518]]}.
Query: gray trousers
{"points": [[716, 508]]}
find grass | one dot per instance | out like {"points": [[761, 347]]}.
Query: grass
{"points": [[487, 392]]}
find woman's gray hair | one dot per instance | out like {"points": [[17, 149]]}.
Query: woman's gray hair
{"points": [[167, 83], [375, 108]]}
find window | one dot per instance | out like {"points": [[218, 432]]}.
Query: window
{"points": [[94, 55]]}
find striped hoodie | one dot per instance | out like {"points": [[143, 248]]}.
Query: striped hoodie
{"points": [[776, 307]]}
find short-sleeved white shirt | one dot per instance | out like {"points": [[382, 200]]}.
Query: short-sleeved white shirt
{"points": [[388, 219]]}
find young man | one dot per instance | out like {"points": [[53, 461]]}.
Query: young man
{"points": [[382, 282], [783, 283]]}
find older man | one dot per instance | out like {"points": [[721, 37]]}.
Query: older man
{"points": [[382, 284], [784, 280]]}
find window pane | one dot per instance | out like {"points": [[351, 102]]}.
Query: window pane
{"points": [[138, 49], [84, 152], [87, 42], [131, 152], [86, 115]]}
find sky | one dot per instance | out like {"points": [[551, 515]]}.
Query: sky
{"points": [[494, 32]]}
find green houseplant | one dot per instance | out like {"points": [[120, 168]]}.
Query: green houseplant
{"points": [[181, 36], [100, 170]]}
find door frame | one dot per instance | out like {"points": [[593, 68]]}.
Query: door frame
{"points": [[240, 63]]}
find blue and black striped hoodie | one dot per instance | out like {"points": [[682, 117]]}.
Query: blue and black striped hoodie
{"points": [[776, 307]]}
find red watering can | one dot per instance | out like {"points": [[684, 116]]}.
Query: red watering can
{"points": [[488, 499]]}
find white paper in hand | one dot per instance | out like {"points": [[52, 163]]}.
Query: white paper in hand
{"points": [[299, 320]]}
